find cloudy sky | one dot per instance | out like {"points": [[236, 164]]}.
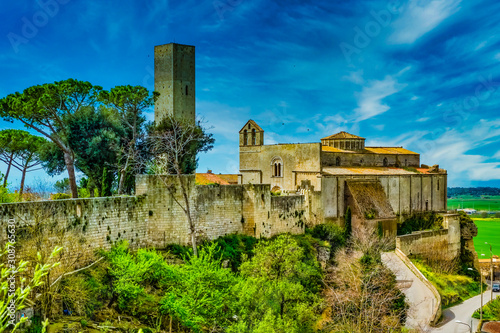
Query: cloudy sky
{"points": [[420, 74]]}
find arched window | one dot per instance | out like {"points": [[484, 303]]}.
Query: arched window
{"points": [[386, 163], [337, 161], [245, 137], [254, 137], [277, 167]]}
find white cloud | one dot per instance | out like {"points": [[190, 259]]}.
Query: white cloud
{"points": [[414, 98], [497, 56], [370, 98], [354, 77], [420, 17]]}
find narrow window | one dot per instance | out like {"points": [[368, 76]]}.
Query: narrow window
{"points": [[438, 184], [187, 90], [275, 169], [406, 163], [386, 163], [254, 138], [279, 169], [245, 137], [337, 161]]}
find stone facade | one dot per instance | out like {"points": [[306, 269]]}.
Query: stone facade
{"points": [[175, 81], [444, 243], [154, 218]]}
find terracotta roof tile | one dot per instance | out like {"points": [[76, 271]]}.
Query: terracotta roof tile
{"points": [[390, 150], [366, 171], [342, 135], [211, 178]]}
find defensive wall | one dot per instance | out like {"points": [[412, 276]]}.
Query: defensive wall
{"points": [[444, 243], [155, 218]]}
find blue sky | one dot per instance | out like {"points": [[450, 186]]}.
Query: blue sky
{"points": [[421, 74]]}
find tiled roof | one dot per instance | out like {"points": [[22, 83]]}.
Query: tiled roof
{"points": [[254, 124], [211, 178], [371, 150], [366, 171], [342, 135], [390, 150], [333, 149]]}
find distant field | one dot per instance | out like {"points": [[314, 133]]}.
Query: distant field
{"points": [[490, 204], [488, 231]]}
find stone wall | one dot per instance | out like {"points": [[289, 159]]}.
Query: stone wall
{"points": [[444, 242], [329, 159], [155, 217], [299, 162], [406, 193]]}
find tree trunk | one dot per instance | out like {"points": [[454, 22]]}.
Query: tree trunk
{"points": [[8, 170], [70, 166], [121, 183], [187, 211], [21, 188]]}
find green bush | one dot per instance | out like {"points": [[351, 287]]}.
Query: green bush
{"points": [[420, 221], [330, 232], [491, 311], [60, 196], [453, 288]]}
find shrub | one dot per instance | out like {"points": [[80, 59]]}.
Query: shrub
{"points": [[59, 196]]}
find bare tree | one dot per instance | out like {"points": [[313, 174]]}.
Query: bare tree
{"points": [[174, 145]]}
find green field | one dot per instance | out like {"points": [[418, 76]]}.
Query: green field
{"points": [[490, 204], [488, 231]]}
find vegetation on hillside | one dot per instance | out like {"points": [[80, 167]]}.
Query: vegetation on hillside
{"points": [[289, 283], [491, 311], [453, 287]]}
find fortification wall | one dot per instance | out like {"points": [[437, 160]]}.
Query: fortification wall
{"points": [[155, 217], [444, 242]]}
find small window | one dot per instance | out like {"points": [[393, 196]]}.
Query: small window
{"points": [[386, 163], [254, 137], [406, 163], [361, 162], [438, 184], [337, 161], [187, 90], [277, 167], [245, 137]]}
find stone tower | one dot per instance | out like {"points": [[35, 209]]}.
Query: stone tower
{"points": [[175, 81]]}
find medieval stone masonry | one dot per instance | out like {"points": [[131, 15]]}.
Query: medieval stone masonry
{"points": [[316, 183]]}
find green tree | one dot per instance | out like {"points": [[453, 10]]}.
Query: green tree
{"points": [[46, 109], [94, 135], [199, 293], [275, 295], [62, 186], [21, 150], [130, 102], [174, 146]]}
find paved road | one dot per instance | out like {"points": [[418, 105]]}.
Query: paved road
{"points": [[462, 312], [419, 296]]}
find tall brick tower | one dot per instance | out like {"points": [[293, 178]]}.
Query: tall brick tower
{"points": [[175, 81]]}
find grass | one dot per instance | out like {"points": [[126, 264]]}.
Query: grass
{"points": [[488, 231], [490, 204], [491, 311], [453, 288]]}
